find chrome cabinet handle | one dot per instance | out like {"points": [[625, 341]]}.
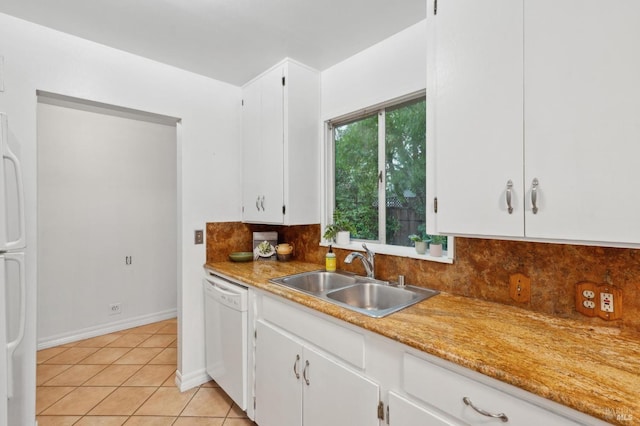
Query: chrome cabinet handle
{"points": [[509, 189], [304, 372], [295, 367], [534, 195], [258, 203], [500, 416], [262, 203]]}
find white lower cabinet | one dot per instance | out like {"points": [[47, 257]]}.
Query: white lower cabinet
{"points": [[297, 385], [314, 370], [403, 412], [472, 402]]}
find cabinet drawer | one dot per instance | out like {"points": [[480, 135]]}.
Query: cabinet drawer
{"points": [[445, 390], [332, 338]]}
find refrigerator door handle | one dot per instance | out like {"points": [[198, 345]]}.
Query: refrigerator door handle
{"points": [[20, 242], [11, 346]]}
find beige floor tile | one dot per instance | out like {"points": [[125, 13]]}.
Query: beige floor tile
{"points": [[166, 402], [98, 341], [147, 329], [75, 376], [57, 420], [113, 375], [239, 422], [199, 421], [210, 384], [139, 356], [151, 375], [105, 356], [102, 421], [79, 401], [167, 356], [49, 353], [150, 421], [129, 340], [158, 341], [174, 344], [168, 329], [71, 356], [45, 372], [236, 412], [46, 397], [170, 382], [124, 401], [208, 402]]}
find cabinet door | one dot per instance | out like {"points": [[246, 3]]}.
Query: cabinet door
{"points": [[403, 412], [335, 395], [251, 152], [581, 136], [262, 149], [272, 157], [475, 107], [278, 390]]}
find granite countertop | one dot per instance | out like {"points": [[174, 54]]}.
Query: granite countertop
{"points": [[595, 370]]}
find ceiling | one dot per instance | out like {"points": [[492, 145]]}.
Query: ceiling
{"points": [[229, 40]]}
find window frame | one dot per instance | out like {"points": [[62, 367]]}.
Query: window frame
{"points": [[328, 182]]}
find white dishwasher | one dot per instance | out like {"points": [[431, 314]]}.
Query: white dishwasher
{"points": [[225, 310]]}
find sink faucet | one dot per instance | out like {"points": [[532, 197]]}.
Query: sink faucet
{"points": [[368, 262]]}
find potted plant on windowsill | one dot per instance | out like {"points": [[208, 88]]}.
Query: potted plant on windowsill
{"points": [[340, 230], [420, 243], [435, 245]]}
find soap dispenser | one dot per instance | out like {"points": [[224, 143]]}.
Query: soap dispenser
{"points": [[330, 261]]}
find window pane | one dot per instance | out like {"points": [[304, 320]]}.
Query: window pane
{"points": [[405, 172], [356, 175]]}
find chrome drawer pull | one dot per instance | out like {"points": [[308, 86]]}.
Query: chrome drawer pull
{"points": [[500, 416], [304, 372], [534, 195], [509, 189], [295, 367], [258, 203]]}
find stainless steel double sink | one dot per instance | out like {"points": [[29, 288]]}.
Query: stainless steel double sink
{"points": [[368, 296]]}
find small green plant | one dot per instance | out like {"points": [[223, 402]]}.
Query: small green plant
{"points": [[340, 223], [418, 238], [438, 239]]}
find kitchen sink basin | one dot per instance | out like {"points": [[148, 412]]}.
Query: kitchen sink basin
{"points": [[365, 295], [317, 281]]}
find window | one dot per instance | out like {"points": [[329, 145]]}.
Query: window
{"points": [[377, 173]]}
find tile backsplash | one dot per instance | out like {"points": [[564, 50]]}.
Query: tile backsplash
{"points": [[481, 268]]}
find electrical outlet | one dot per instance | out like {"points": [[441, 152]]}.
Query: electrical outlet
{"points": [[585, 295], [115, 308], [589, 294], [610, 299], [606, 302], [198, 237]]}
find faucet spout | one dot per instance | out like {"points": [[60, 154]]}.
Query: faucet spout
{"points": [[368, 262]]}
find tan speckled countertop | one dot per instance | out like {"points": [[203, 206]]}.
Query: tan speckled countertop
{"points": [[595, 370]]}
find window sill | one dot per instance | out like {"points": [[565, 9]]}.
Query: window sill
{"points": [[389, 250]]}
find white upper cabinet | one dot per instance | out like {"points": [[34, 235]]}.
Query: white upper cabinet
{"points": [[474, 107], [280, 136], [582, 126], [539, 91]]}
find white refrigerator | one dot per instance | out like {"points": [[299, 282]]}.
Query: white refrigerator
{"points": [[12, 285]]}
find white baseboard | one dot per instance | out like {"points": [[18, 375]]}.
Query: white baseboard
{"points": [[191, 380], [99, 330]]}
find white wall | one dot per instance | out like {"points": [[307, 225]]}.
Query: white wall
{"points": [[37, 58], [107, 226], [394, 67]]}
